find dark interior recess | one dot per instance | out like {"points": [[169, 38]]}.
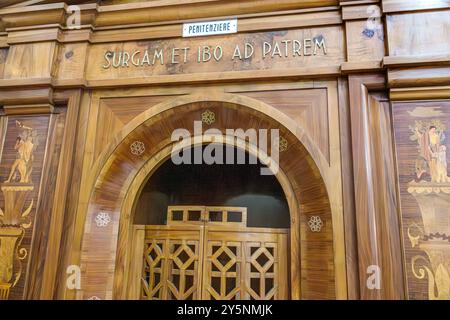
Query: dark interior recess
{"points": [[240, 185]]}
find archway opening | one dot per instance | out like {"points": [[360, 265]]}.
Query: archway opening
{"points": [[120, 174], [214, 231]]}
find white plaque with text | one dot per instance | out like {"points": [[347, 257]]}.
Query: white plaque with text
{"points": [[209, 28]]}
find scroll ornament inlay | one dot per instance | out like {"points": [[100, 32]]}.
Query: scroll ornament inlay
{"points": [[14, 219], [431, 190]]}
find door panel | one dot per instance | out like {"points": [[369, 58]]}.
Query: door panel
{"points": [[245, 264], [203, 259], [172, 263]]}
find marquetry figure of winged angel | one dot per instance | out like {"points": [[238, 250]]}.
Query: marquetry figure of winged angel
{"points": [[25, 145]]}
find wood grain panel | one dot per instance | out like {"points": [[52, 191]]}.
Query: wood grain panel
{"points": [[115, 113], [30, 61], [365, 42], [49, 190], [408, 5], [71, 61], [375, 190], [333, 37], [415, 34], [351, 244], [309, 108]]}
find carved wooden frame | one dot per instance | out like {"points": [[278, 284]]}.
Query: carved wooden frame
{"points": [[368, 220]]}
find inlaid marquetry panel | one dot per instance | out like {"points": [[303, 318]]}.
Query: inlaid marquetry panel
{"points": [[21, 167], [422, 138]]}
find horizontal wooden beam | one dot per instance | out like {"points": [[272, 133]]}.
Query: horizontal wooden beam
{"points": [[151, 12], [419, 77], [329, 16], [23, 96], [391, 6], [414, 61], [27, 109], [420, 93], [229, 76]]}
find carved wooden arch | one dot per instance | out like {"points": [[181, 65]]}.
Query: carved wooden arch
{"points": [[117, 167], [123, 285]]}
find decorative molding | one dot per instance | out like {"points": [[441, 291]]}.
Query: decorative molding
{"points": [[28, 109], [420, 93], [167, 12]]}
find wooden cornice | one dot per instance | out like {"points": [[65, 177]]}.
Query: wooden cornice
{"points": [[153, 12], [396, 6], [247, 23]]}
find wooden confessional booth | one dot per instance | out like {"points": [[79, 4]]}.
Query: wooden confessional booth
{"points": [[91, 92]]}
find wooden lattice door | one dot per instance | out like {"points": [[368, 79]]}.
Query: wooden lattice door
{"points": [[210, 253]]}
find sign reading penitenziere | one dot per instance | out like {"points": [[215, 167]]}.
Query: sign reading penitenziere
{"points": [[209, 28]]}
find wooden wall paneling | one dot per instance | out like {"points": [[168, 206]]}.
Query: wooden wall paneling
{"points": [[33, 60], [115, 113], [375, 189], [351, 242], [364, 36], [333, 180], [44, 207], [99, 69], [408, 5], [70, 233], [309, 108], [63, 184], [143, 12], [418, 33], [71, 61]]}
